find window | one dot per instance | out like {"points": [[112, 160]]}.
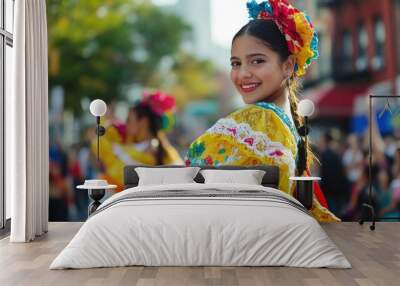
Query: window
{"points": [[6, 44], [347, 46], [378, 61], [397, 25], [325, 59], [362, 38]]}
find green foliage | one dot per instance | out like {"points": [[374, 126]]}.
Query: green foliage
{"points": [[98, 47], [189, 79]]}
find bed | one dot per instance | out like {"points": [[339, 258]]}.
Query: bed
{"points": [[198, 224]]}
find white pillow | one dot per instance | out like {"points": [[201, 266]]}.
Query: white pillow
{"points": [[163, 176], [248, 177]]}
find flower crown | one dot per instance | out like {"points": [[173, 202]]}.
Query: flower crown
{"points": [[163, 105], [295, 25]]}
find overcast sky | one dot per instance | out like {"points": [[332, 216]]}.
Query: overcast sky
{"points": [[227, 17]]}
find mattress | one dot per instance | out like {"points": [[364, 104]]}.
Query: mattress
{"points": [[201, 225]]}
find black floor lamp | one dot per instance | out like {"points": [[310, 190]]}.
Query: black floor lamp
{"points": [[368, 207], [98, 108], [96, 188], [304, 183]]}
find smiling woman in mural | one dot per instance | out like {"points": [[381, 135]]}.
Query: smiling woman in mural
{"points": [[268, 56], [141, 140]]}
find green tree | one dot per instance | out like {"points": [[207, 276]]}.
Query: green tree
{"points": [[97, 47], [188, 79]]}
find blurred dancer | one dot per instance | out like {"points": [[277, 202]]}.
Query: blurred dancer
{"points": [[141, 140]]}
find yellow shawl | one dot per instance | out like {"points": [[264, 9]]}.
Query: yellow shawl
{"points": [[260, 134]]}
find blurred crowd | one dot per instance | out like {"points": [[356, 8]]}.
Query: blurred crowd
{"points": [[68, 169], [344, 169]]}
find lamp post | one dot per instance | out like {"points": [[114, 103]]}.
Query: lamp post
{"points": [[306, 109], [98, 108], [304, 184], [96, 188]]}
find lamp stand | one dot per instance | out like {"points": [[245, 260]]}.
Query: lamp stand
{"points": [[98, 138], [100, 131], [303, 132], [306, 131], [96, 195], [368, 206]]}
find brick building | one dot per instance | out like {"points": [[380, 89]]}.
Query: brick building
{"points": [[365, 55]]}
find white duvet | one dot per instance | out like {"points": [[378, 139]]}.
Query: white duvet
{"points": [[183, 231]]}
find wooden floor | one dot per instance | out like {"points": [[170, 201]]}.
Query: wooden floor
{"points": [[374, 255]]}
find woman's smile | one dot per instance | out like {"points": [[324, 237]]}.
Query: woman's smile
{"points": [[249, 87]]}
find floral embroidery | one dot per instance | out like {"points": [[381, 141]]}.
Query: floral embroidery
{"points": [[249, 141], [277, 153], [251, 137], [229, 160], [196, 149], [233, 130], [256, 141], [194, 153], [208, 160], [260, 146]]}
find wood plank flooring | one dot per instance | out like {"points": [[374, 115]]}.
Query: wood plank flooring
{"points": [[375, 257]]}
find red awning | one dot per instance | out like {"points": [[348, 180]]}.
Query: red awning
{"points": [[336, 100]]}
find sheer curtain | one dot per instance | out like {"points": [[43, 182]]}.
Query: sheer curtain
{"points": [[27, 124]]}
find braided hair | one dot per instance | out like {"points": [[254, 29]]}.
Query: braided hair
{"points": [[268, 32]]}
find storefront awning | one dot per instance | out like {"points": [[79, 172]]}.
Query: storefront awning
{"points": [[336, 100]]}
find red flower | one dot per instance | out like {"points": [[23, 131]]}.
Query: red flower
{"points": [[187, 162], [283, 15], [160, 102], [264, 15]]}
